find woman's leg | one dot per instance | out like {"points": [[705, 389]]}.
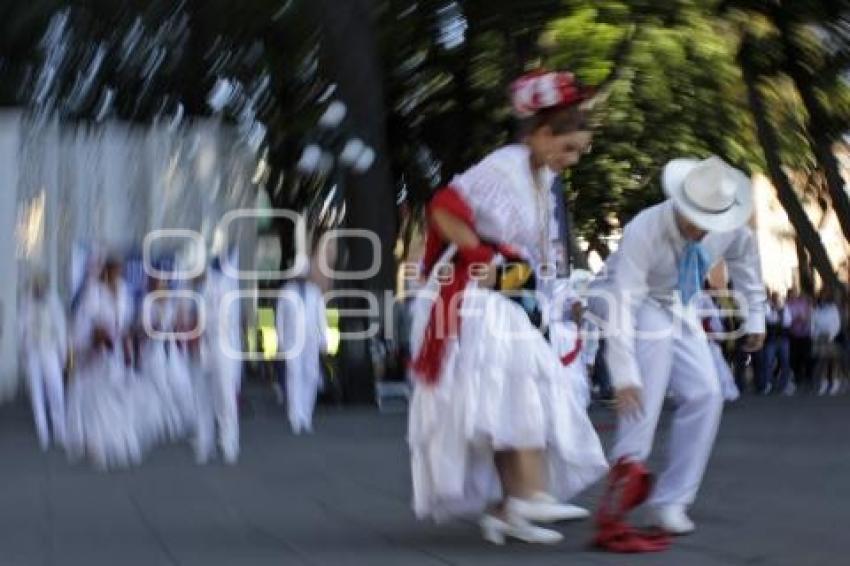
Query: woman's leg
{"points": [[530, 476], [521, 473], [819, 374]]}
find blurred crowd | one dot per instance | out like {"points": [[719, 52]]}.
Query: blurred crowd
{"points": [[806, 351], [114, 378], [807, 347]]}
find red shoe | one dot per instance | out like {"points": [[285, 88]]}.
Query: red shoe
{"points": [[629, 485], [621, 538]]}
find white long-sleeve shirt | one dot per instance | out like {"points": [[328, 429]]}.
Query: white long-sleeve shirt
{"points": [[646, 267], [43, 325], [826, 321], [773, 313]]}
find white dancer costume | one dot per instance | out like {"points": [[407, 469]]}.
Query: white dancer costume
{"points": [[671, 352], [564, 336], [165, 365], [44, 348], [301, 327], [501, 386], [217, 374], [709, 312], [102, 410]]}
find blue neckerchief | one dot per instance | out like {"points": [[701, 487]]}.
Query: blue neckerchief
{"points": [[693, 269]]}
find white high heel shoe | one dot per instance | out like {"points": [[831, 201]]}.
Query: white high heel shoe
{"points": [[543, 508], [497, 531]]}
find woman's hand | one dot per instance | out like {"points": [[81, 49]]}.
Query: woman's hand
{"points": [[577, 313], [629, 402]]}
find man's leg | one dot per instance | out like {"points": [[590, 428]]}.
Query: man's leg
{"points": [[312, 372], [784, 353], [794, 352], [766, 380], [699, 401], [55, 396], [629, 482], [654, 355], [227, 410], [808, 361], [294, 393], [204, 441], [35, 381]]}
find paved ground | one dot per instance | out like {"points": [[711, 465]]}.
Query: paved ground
{"points": [[778, 493]]}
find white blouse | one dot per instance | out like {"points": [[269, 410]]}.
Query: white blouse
{"points": [[507, 205], [42, 322], [101, 308]]}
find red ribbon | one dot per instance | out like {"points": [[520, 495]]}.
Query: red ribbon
{"points": [[571, 356], [444, 321]]}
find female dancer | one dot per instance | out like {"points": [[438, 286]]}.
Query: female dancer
{"points": [[494, 428], [101, 405]]}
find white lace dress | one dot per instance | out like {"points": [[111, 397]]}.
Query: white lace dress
{"points": [[166, 367], [102, 406], [501, 385]]}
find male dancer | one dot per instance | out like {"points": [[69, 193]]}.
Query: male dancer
{"points": [[656, 343]]}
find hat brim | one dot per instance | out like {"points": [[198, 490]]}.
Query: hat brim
{"points": [[673, 182]]}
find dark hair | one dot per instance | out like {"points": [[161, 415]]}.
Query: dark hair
{"points": [[560, 119]]}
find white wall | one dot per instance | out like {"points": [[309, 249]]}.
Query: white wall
{"points": [[108, 185], [9, 143]]}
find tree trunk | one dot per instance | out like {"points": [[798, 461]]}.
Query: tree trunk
{"points": [[806, 233], [351, 58], [804, 270], [818, 126]]}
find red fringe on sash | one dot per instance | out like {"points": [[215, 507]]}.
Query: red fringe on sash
{"points": [[571, 356], [444, 321]]}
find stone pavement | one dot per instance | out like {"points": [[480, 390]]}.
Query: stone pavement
{"points": [[777, 493]]}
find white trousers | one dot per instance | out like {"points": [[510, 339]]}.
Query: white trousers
{"points": [[302, 386], [44, 379], [216, 404], [678, 359], [724, 374]]}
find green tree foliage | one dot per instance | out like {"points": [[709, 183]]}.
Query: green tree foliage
{"points": [[808, 44], [447, 69], [677, 93]]}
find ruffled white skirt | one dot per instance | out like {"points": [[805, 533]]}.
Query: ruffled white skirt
{"points": [[102, 413], [501, 387], [168, 372]]}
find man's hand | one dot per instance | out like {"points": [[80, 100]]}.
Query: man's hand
{"points": [[753, 343], [577, 312], [629, 401]]}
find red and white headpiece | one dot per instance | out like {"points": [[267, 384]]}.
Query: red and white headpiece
{"points": [[540, 90]]}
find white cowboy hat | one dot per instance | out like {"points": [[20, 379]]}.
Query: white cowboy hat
{"points": [[710, 193]]}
